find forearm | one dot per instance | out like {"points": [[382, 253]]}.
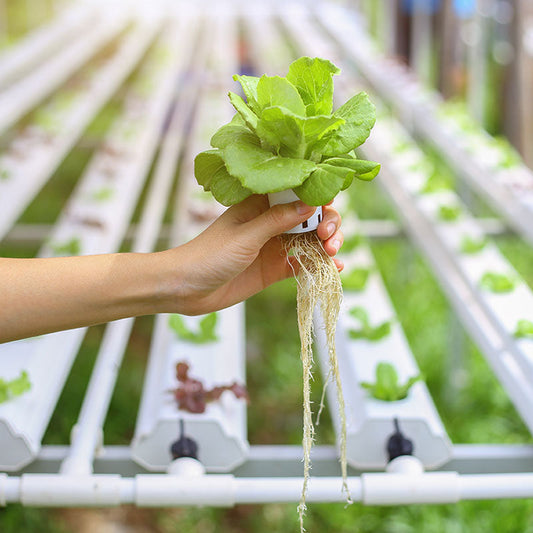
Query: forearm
{"points": [[43, 295]]}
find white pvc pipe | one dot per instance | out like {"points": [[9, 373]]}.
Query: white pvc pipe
{"points": [[169, 491], [19, 98], [52, 490], [399, 489], [321, 489], [88, 431], [496, 486], [159, 490]]}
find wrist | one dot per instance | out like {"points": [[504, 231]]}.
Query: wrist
{"points": [[170, 290]]}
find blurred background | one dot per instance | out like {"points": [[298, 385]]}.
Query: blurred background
{"points": [[472, 58]]}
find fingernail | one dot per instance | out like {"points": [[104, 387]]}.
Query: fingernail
{"points": [[331, 227], [302, 208], [336, 244]]}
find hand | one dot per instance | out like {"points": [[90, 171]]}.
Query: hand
{"points": [[240, 254]]}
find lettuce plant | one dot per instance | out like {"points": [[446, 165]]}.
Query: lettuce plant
{"points": [[524, 329], [449, 213], [495, 282], [286, 136], [103, 194], [472, 245], [437, 181], [70, 247], [15, 387], [355, 279], [509, 157], [192, 396], [387, 386], [352, 242], [204, 334], [367, 331]]}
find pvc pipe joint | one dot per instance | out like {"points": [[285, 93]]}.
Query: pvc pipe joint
{"points": [[288, 196], [405, 464], [186, 467]]}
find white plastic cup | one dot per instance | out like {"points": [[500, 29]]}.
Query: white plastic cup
{"points": [[288, 196]]}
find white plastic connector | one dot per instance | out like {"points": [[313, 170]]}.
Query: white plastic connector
{"points": [[186, 467], [288, 196], [405, 464]]}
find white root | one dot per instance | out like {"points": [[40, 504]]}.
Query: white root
{"points": [[318, 284]]}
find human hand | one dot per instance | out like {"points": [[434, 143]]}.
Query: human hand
{"points": [[241, 254]]}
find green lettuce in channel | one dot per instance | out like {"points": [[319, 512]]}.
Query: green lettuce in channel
{"points": [[387, 386]]}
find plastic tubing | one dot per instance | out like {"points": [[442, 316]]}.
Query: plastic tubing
{"points": [[159, 490]]}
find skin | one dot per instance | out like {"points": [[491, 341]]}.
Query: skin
{"points": [[235, 257]]}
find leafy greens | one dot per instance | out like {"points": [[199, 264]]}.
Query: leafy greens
{"points": [[524, 329], [15, 387], [367, 331], [286, 136], [205, 333], [496, 282], [387, 386], [356, 279]]}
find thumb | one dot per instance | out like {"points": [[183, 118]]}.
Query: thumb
{"points": [[278, 219]]}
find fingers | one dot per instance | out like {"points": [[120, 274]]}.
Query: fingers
{"points": [[248, 209], [339, 264], [328, 230], [333, 244], [330, 223], [275, 221]]}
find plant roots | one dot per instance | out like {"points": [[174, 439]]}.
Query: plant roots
{"points": [[318, 284]]}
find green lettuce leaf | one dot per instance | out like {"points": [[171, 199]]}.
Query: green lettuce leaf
{"points": [[315, 128], [363, 170], [261, 171], [367, 331], [356, 279], [276, 91], [206, 165], [524, 329], [313, 77], [244, 111], [293, 135], [206, 329], [283, 130], [323, 184], [226, 189], [387, 386], [15, 387], [360, 116], [227, 134], [249, 88]]}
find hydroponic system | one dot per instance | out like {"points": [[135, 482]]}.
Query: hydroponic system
{"points": [[172, 63]]}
